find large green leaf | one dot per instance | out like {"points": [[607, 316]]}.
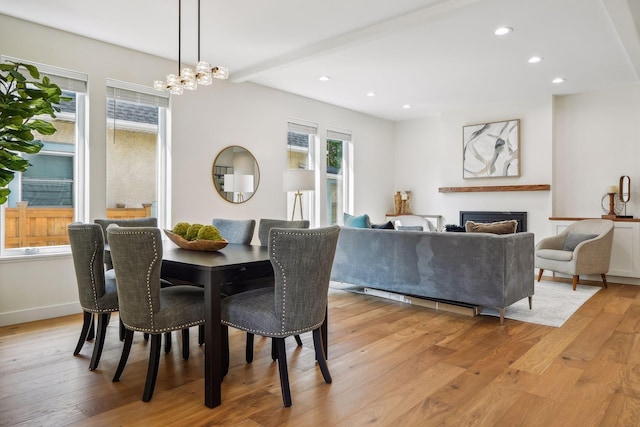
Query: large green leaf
{"points": [[4, 192]]}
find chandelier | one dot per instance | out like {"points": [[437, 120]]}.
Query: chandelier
{"points": [[188, 78]]}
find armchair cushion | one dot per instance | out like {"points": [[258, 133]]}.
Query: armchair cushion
{"points": [[554, 254], [574, 239]]}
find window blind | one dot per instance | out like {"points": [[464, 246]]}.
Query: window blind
{"points": [[341, 136], [136, 94], [309, 128], [67, 80]]}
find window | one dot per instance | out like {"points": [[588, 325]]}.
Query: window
{"points": [[301, 155], [137, 152], [51, 193], [339, 176]]}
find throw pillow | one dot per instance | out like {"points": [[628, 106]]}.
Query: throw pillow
{"points": [[453, 228], [386, 226], [500, 227], [574, 239], [361, 221]]}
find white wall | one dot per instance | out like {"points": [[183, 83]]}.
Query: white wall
{"points": [[597, 139], [204, 122], [429, 156]]}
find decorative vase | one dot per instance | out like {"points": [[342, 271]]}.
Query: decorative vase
{"points": [[397, 202]]}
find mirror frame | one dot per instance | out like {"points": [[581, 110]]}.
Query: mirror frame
{"points": [[216, 178]]}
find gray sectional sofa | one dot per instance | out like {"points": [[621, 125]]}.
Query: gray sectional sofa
{"points": [[483, 269]]}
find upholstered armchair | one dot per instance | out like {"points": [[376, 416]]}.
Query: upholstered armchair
{"points": [[582, 248], [297, 303]]}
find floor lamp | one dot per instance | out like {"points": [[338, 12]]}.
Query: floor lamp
{"points": [[298, 180]]}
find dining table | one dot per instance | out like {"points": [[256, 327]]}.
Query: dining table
{"points": [[211, 270]]}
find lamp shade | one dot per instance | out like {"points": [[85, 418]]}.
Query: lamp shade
{"points": [[298, 180], [243, 183], [228, 183]]}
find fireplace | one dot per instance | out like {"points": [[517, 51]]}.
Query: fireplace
{"points": [[495, 216]]}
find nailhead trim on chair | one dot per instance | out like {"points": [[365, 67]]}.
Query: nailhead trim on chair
{"points": [[162, 330]]}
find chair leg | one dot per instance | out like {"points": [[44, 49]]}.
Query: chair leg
{"points": [[317, 344], [575, 281], [278, 343], [540, 270], [146, 336], [126, 349], [92, 333], [152, 370], [121, 329], [84, 333], [298, 340], [274, 348], [167, 343], [249, 348], [224, 333], [185, 343], [103, 321], [604, 281], [200, 334]]}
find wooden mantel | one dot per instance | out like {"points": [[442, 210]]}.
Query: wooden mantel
{"points": [[491, 188]]}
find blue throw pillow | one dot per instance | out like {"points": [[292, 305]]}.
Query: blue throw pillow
{"points": [[361, 221]]}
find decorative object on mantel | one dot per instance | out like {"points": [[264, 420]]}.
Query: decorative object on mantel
{"points": [[187, 78], [625, 194], [401, 203], [493, 188], [491, 150], [615, 205]]}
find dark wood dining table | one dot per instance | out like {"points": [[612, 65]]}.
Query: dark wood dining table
{"points": [[213, 269]]}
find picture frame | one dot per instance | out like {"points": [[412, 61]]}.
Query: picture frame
{"points": [[491, 150]]}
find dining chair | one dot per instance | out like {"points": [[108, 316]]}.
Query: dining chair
{"points": [[144, 305], [235, 230], [96, 289], [266, 224], [297, 303]]}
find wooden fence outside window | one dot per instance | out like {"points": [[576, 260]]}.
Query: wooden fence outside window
{"points": [[27, 227]]}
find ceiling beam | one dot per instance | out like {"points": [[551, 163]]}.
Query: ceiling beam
{"points": [[352, 38], [624, 18]]}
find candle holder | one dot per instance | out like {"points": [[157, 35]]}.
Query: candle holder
{"points": [[611, 214]]}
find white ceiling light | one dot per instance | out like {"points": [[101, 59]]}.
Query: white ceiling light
{"points": [[558, 80], [534, 59], [501, 31], [187, 78], [406, 106], [324, 78], [371, 94]]}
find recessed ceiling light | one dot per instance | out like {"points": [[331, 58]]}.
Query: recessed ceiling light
{"points": [[502, 31], [371, 94], [324, 78], [558, 80], [534, 59], [406, 106]]}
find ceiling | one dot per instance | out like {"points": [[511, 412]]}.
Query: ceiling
{"points": [[434, 55]]}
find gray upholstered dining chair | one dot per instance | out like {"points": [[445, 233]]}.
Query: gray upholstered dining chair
{"points": [[263, 235], [96, 290], [235, 230], [302, 260], [584, 247], [144, 305]]}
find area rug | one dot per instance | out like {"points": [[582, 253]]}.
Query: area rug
{"points": [[553, 304]]}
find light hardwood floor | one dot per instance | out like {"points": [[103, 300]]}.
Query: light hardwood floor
{"points": [[392, 364]]}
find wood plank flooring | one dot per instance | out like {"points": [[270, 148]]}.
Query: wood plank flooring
{"points": [[392, 364]]}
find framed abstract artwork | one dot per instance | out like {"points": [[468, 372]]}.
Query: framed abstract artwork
{"points": [[491, 150]]}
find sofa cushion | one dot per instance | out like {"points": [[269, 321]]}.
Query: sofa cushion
{"points": [[500, 227], [361, 221], [574, 239], [386, 226]]}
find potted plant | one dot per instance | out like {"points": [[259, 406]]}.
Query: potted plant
{"points": [[22, 101]]}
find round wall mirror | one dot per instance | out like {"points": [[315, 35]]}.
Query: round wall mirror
{"points": [[235, 174]]}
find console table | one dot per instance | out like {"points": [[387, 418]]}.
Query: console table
{"points": [[625, 253]]}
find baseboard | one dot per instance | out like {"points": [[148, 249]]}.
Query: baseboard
{"points": [[39, 313], [464, 309]]}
